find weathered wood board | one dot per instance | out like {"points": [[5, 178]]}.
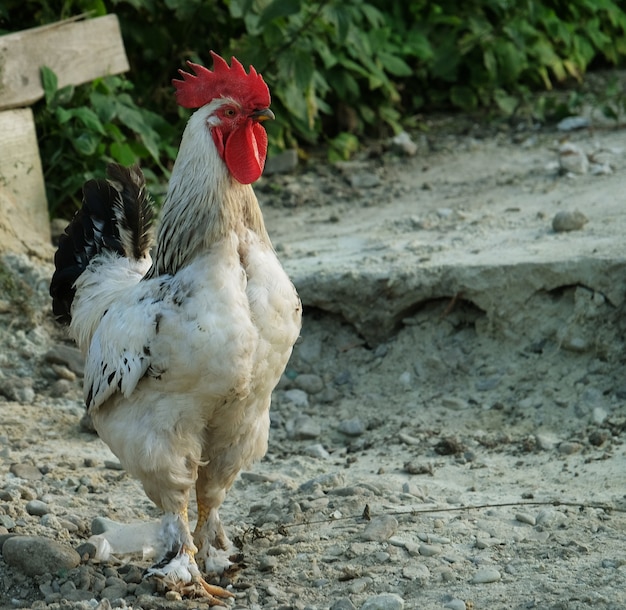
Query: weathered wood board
{"points": [[77, 51], [24, 222]]}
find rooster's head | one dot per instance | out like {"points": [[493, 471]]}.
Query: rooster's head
{"points": [[240, 102]]}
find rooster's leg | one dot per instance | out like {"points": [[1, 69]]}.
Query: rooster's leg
{"points": [[214, 547], [178, 570]]}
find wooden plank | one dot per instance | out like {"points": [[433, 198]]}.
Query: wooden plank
{"points": [[24, 222], [77, 51]]}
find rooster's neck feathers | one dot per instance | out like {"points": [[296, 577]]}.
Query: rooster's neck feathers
{"points": [[204, 202]]}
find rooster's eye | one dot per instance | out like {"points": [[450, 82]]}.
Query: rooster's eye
{"points": [[230, 112]]}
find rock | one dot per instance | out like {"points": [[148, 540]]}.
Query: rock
{"points": [[316, 451], [37, 508], [66, 355], [486, 575], [569, 447], [526, 518], [343, 603], [571, 123], [363, 180], [385, 601], [380, 529], [429, 550], [455, 604], [26, 471], [303, 427], [573, 159], [297, 397], [17, 389], [352, 427], [567, 220], [282, 163], [403, 144], [311, 384], [34, 555]]}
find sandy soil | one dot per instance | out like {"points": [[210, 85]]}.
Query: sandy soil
{"points": [[450, 430]]}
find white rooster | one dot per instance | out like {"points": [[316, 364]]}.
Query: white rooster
{"points": [[183, 352]]}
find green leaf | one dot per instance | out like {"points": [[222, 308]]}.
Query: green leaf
{"points": [[89, 119], [394, 65], [277, 9], [122, 153], [508, 104], [238, 8], [49, 82], [86, 143]]}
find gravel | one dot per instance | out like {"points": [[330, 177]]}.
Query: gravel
{"points": [[456, 465]]}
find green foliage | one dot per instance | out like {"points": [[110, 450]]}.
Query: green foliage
{"points": [[81, 129], [339, 70]]}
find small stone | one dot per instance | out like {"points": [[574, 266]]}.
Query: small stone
{"points": [[403, 144], [67, 355], [35, 555], [567, 220], [303, 427], [343, 603], [297, 397], [311, 384], [526, 518], [486, 575], [363, 180], [571, 123], [569, 447], [352, 427], [316, 451], [417, 572], [572, 159], [268, 563], [546, 442], [37, 508], [429, 550], [26, 471], [453, 402], [385, 601], [455, 604], [575, 344], [380, 529]]}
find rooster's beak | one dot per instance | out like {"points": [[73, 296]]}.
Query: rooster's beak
{"points": [[262, 115]]}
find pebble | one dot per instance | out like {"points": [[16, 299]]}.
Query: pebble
{"points": [[454, 403], [66, 355], [573, 159], [26, 471], [417, 572], [429, 550], [455, 604], [37, 508], [352, 427], [35, 555], [568, 220], [297, 397], [303, 427], [526, 518], [380, 528], [403, 144], [309, 383], [363, 180], [569, 447], [486, 575], [343, 603], [571, 123], [317, 451], [385, 601]]}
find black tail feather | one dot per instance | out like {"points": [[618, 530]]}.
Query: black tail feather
{"points": [[116, 216]]}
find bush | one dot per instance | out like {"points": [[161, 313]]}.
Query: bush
{"points": [[338, 69]]}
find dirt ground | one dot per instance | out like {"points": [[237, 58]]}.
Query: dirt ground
{"points": [[450, 430]]}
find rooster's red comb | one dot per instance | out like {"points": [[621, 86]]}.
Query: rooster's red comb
{"points": [[196, 90]]}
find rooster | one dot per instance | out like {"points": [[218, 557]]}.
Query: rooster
{"points": [[182, 352]]}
